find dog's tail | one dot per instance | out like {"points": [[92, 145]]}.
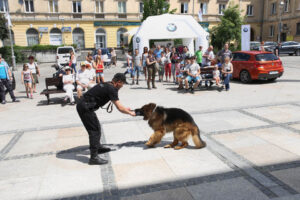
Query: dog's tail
{"points": [[196, 138]]}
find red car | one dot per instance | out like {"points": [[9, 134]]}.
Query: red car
{"points": [[256, 65]]}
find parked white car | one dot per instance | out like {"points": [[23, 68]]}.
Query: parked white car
{"points": [[63, 55]]}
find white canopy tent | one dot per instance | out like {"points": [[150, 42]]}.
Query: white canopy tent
{"points": [[168, 26]]}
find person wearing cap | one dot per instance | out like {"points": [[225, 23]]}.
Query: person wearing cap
{"points": [[5, 79], [84, 79], [35, 71], [68, 81], [97, 97]]}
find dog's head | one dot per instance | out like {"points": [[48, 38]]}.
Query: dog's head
{"points": [[146, 111]]}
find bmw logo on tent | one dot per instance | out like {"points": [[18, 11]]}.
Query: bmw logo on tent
{"points": [[171, 27]]}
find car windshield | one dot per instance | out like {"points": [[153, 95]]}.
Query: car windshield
{"points": [[64, 50], [269, 43], [266, 57], [254, 44]]}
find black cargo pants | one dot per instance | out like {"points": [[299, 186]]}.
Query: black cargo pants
{"points": [[91, 124], [5, 85]]}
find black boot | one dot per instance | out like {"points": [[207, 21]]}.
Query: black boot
{"points": [[96, 160], [103, 149]]}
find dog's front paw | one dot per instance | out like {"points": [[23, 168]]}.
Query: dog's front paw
{"points": [[149, 144], [168, 146]]}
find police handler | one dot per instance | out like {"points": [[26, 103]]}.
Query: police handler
{"points": [[97, 97]]}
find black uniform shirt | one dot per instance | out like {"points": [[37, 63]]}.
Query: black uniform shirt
{"points": [[102, 93]]}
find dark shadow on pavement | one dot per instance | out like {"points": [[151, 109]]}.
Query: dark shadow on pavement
{"points": [[80, 154], [53, 101], [288, 80]]}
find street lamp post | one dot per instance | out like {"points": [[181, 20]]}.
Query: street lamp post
{"points": [[63, 30], [281, 4]]}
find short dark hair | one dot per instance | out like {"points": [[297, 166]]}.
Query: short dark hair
{"points": [[119, 77], [193, 57]]}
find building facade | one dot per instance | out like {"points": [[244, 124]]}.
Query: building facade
{"points": [[102, 23]]}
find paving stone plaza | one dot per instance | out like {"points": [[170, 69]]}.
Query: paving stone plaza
{"points": [[252, 134]]}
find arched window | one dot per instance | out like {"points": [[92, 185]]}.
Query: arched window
{"points": [[122, 39], [55, 37], [78, 38], [32, 37], [100, 38]]}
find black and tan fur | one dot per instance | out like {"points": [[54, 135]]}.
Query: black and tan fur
{"points": [[164, 120]]}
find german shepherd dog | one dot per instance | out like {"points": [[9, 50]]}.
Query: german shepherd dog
{"points": [[164, 120]]}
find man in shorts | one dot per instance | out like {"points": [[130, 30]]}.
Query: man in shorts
{"points": [[193, 75], [84, 79]]}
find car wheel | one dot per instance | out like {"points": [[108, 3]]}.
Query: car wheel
{"points": [[245, 76], [290, 54], [297, 52]]}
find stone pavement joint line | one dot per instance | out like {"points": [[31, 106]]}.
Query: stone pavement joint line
{"points": [[282, 125], [263, 180], [10, 145]]}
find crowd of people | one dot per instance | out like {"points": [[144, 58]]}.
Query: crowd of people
{"points": [[180, 66]]}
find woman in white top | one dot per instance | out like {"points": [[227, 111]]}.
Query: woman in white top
{"points": [[68, 81], [27, 78], [113, 56], [35, 71], [227, 70]]}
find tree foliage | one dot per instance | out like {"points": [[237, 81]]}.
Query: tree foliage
{"points": [[156, 7], [3, 28], [229, 29]]}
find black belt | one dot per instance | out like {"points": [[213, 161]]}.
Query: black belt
{"points": [[93, 104]]}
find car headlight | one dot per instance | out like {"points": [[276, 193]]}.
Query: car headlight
{"points": [[261, 67]]}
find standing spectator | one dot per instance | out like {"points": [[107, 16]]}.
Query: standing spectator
{"points": [[227, 70], [193, 74], [168, 65], [68, 81], [173, 61], [113, 56], [157, 55], [99, 53], [26, 79], [277, 49], [186, 54], [208, 56], [5, 79], [144, 60], [91, 67], [84, 79], [262, 46], [129, 61], [151, 61], [35, 72], [162, 64], [73, 61], [137, 66], [99, 70], [199, 55], [224, 53]]}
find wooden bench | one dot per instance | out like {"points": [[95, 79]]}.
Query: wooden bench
{"points": [[204, 71], [57, 82]]}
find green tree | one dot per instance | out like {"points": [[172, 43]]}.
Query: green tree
{"points": [[156, 7], [3, 28], [229, 29]]}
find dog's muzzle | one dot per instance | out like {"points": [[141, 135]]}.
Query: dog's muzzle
{"points": [[139, 112]]}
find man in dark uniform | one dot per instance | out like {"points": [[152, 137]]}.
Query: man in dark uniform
{"points": [[97, 97]]}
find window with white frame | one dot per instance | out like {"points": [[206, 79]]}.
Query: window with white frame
{"points": [[286, 5], [221, 9], [250, 10], [99, 6], [271, 31], [273, 8], [53, 6], [76, 6], [141, 7], [122, 6], [29, 6], [3, 6], [203, 8], [298, 5], [184, 7]]}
